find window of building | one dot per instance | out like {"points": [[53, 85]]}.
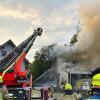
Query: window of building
{"points": [[3, 53]]}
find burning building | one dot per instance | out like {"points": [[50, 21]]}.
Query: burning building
{"points": [[85, 54]]}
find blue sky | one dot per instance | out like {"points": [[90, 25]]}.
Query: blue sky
{"points": [[58, 18]]}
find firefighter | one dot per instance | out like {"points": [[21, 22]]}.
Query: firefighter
{"points": [[51, 91], [5, 94], [95, 88], [68, 89]]}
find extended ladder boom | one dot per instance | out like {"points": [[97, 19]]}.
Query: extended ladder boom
{"points": [[25, 46]]}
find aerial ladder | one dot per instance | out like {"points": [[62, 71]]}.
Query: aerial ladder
{"points": [[18, 81]]}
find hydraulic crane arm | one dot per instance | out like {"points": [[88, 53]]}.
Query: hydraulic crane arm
{"points": [[18, 53], [14, 54]]}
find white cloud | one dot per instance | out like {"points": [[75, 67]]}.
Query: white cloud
{"points": [[57, 22], [20, 13]]}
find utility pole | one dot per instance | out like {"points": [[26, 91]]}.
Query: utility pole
{"points": [[72, 42], [70, 64]]}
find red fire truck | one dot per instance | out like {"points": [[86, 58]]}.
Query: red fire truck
{"points": [[18, 82]]}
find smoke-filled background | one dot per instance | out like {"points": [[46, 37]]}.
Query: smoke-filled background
{"points": [[85, 53], [89, 38]]}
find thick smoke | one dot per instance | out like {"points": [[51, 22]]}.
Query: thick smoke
{"points": [[86, 52], [89, 37]]}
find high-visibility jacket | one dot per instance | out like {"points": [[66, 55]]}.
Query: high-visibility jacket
{"points": [[68, 86]]}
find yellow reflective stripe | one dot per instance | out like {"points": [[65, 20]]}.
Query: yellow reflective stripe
{"points": [[7, 69], [1, 79], [10, 66]]}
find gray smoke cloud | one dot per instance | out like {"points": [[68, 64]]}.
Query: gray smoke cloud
{"points": [[89, 38], [86, 52]]}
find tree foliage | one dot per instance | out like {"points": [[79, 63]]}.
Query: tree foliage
{"points": [[42, 61], [73, 39]]}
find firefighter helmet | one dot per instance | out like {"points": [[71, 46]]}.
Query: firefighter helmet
{"points": [[68, 86], [96, 80]]}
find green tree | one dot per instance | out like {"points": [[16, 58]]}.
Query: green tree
{"points": [[73, 39], [42, 61]]}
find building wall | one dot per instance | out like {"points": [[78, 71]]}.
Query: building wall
{"points": [[6, 48]]}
